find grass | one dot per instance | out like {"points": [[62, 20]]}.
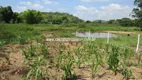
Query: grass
{"points": [[23, 32]]}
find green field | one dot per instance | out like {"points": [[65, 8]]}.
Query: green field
{"points": [[23, 32]]}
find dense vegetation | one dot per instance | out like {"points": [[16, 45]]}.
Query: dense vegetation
{"points": [[37, 17], [137, 12]]}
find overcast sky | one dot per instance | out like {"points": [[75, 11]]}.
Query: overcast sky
{"points": [[84, 9]]}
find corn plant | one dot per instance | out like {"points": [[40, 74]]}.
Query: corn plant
{"points": [[21, 39], [96, 59], [85, 56], [113, 59], [78, 60], [36, 71], [34, 61], [44, 50], [29, 52], [40, 39], [139, 58], [127, 53], [107, 48], [91, 47], [125, 72], [2, 43], [93, 68], [68, 70], [95, 63], [60, 57]]}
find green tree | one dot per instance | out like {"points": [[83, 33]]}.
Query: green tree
{"points": [[88, 21], [6, 14], [137, 12], [125, 22], [111, 21], [32, 16], [17, 17], [59, 18]]}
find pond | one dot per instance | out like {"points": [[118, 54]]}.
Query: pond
{"points": [[94, 35]]}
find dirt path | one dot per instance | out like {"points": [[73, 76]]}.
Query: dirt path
{"points": [[121, 32]]}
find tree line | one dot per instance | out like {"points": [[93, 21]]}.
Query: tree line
{"points": [[36, 17]]}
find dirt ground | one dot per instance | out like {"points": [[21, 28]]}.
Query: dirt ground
{"points": [[11, 65], [121, 32]]}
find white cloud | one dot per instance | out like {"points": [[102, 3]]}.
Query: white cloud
{"points": [[94, 0], [112, 11], [50, 2], [86, 13], [86, 9], [114, 7], [20, 8], [81, 7], [54, 10], [28, 5], [37, 6]]}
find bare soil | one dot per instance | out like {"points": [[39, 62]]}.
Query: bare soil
{"points": [[121, 32], [12, 68]]}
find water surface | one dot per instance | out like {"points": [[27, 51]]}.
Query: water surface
{"points": [[95, 35]]}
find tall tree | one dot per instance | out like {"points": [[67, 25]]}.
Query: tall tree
{"points": [[138, 12], [17, 18], [6, 14], [32, 16]]}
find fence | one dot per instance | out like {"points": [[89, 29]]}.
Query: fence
{"points": [[108, 36]]}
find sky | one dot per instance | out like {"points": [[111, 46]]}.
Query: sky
{"points": [[84, 9]]}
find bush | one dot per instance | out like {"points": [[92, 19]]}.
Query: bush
{"points": [[82, 25], [4, 34]]}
